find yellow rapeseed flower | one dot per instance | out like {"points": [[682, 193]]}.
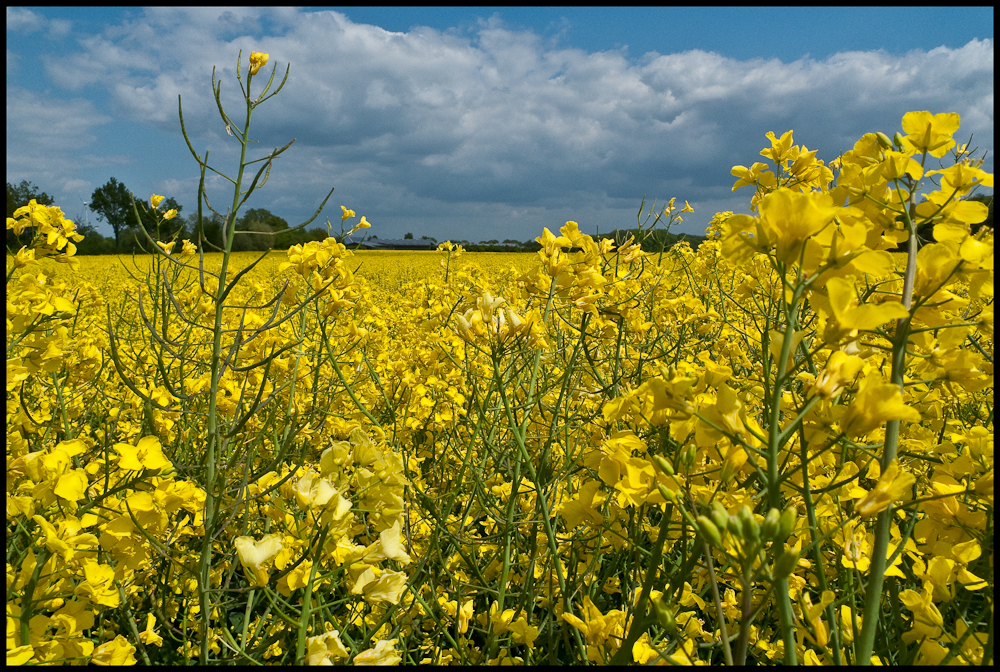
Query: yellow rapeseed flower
{"points": [[893, 485], [257, 61]]}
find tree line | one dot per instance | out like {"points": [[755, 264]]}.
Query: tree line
{"points": [[112, 203]]}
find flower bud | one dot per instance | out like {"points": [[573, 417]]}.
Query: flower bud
{"points": [[883, 140], [710, 532], [667, 493], [257, 61], [786, 524], [750, 526], [665, 616], [687, 457], [719, 515], [897, 140], [735, 526], [769, 529], [663, 465], [785, 564]]}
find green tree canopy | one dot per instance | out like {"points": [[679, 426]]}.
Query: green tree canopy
{"points": [[261, 216], [113, 204]]}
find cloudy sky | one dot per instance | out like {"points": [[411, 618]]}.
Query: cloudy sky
{"points": [[475, 123]]}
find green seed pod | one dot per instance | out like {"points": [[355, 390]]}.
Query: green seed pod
{"points": [[750, 526], [711, 533], [786, 524], [769, 529], [785, 564], [735, 526], [683, 458], [884, 140], [667, 493], [665, 616], [663, 465], [719, 516], [689, 455], [898, 140]]}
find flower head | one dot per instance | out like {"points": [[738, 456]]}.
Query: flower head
{"points": [[894, 484], [384, 653], [930, 133], [324, 647], [253, 554], [257, 61]]}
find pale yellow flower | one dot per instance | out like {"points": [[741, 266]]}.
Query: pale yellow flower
{"points": [[384, 653], [253, 554]]}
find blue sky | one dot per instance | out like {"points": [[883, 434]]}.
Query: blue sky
{"points": [[476, 123]]}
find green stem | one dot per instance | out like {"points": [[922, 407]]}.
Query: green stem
{"points": [[214, 431], [726, 649], [639, 615], [883, 525], [773, 478]]}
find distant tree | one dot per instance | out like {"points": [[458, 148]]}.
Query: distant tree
{"points": [[408, 236], [211, 229], [262, 216], [169, 227], [22, 194], [256, 241], [433, 240], [113, 204], [262, 221], [93, 242]]}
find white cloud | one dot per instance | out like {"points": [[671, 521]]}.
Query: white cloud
{"points": [[59, 28], [495, 121], [24, 20], [51, 124]]}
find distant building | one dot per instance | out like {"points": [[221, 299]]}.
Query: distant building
{"points": [[390, 244]]}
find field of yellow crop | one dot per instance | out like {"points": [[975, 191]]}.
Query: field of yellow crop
{"points": [[775, 448], [386, 272]]}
